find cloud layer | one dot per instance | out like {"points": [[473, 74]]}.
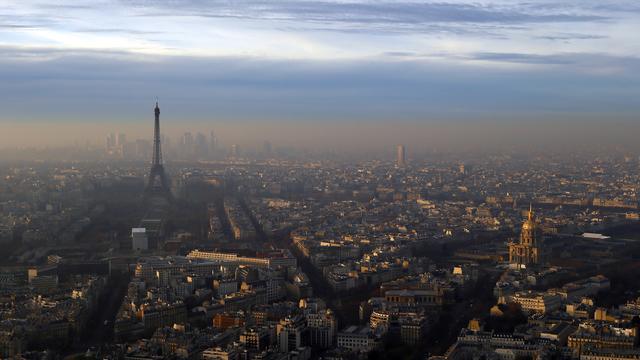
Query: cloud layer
{"points": [[324, 29], [313, 60]]}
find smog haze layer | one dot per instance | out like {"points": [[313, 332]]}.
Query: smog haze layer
{"points": [[332, 74]]}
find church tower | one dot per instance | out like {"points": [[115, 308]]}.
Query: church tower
{"points": [[526, 253]]}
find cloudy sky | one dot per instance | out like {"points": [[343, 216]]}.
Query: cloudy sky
{"points": [[367, 60]]}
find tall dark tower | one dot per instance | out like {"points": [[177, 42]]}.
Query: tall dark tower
{"points": [[158, 185], [401, 156]]}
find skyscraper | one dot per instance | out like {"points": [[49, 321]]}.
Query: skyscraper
{"points": [[187, 144], [401, 156], [110, 143], [235, 152], [213, 143], [201, 146], [267, 148], [121, 139]]}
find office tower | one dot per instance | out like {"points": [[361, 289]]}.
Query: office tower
{"points": [[166, 145], [267, 148], [118, 147], [401, 156], [110, 142], [158, 185], [201, 146], [121, 140], [187, 144], [526, 253], [213, 143], [235, 152]]}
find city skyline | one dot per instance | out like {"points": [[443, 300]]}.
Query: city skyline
{"points": [[350, 138], [319, 179]]}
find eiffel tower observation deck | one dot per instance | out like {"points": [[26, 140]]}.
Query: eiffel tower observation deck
{"points": [[158, 188]]}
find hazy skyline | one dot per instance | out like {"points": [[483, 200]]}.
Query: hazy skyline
{"points": [[303, 61], [354, 137]]}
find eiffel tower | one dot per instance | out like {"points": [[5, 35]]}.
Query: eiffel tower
{"points": [[158, 187]]}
